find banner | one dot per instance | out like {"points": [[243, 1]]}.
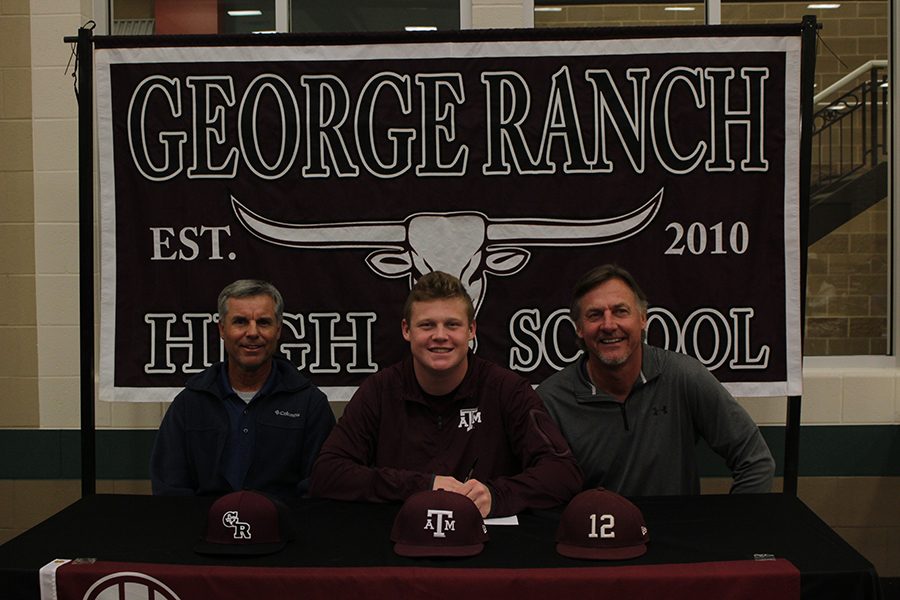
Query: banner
{"points": [[343, 169], [775, 579]]}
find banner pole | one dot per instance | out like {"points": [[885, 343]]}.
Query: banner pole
{"points": [[85, 97], [809, 28]]}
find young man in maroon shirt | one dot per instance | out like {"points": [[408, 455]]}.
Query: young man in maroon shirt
{"points": [[445, 419]]}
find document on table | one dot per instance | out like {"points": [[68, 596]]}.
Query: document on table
{"points": [[513, 520]]}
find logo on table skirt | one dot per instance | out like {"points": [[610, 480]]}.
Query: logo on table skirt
{"points": [[241, 528], [128, 586], [468, 417]]}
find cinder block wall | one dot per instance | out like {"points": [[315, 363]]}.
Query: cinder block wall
{"points": [[847, 283], [18, 361]]}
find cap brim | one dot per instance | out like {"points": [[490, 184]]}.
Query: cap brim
{"points": [[238, 549], [426, 551], [623, 553]]}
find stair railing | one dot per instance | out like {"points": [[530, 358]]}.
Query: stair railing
{"points": [[850, 132]]}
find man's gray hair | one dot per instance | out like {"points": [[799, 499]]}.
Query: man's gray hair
{"points": [[245, 288], [595, 277], [599, 275]]}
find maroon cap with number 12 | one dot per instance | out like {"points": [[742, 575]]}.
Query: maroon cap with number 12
{"points": [[601, 525]]}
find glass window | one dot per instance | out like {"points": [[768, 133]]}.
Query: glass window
{"points": [[312, 16], [847, 308], [246, 16], [181, 17], [619, 14], [148, 17]]}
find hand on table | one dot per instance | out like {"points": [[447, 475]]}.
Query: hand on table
{"points": [[472, 489]]}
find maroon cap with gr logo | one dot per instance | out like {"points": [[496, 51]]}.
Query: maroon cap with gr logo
{"points": [[438, 523], [601, 525], [246, 523]]}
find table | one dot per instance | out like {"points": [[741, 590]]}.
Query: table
{"points": [[694, 540]]}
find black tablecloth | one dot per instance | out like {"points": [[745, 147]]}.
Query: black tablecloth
{"points": [[145, 529]]}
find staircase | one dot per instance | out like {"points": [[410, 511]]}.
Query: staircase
{"points": [[849, 148]]}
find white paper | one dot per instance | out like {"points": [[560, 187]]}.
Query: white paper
{"points": [[513, 520]]}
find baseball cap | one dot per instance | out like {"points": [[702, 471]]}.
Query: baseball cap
{"points": [[246, 523], [600, 524], [438, 523]]}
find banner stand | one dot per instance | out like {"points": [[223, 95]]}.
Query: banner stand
{"points": [[807, 75], [88, 371], [84, 90]]}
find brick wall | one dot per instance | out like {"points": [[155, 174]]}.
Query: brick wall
{"points": [[847, 305], [847, 287]]}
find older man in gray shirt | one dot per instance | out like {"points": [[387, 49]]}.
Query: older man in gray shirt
{"points": [[633, 413]]}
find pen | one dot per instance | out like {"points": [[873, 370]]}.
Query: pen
{"points": [[471, 470]]}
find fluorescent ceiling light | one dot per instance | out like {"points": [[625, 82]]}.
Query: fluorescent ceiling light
{"points": [[266, 31], [244, 13], [680, 8], [547, 9], [420, 28], [814, 6]]}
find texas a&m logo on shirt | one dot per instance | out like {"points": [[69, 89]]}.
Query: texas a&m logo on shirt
{"points": [[468, 417]]}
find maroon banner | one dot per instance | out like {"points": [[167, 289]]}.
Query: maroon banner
{"points": [[341, 172], [735, 580]]}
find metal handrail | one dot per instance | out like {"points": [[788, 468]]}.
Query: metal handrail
{"points": [[850, 131], [850, 77]]}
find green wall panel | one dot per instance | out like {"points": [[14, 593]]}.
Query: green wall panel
{"points": [[834, 451]]}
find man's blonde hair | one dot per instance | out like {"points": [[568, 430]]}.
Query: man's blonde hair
{"points": [[438, 285]]}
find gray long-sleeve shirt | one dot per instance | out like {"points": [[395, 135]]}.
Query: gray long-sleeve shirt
{"points": [[644, 446]]}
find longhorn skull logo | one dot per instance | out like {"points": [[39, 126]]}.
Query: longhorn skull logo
{"points": [[469, 245]]}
